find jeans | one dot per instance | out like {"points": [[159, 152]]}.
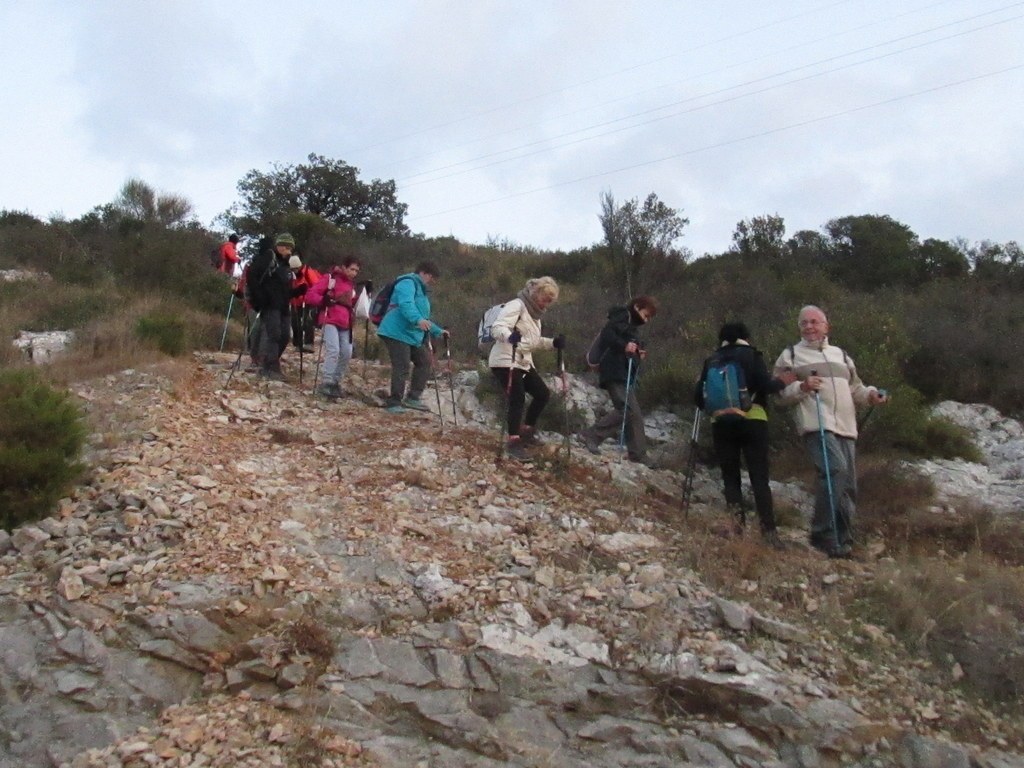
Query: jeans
{"points": [[523, 382], [402, 355], [747, 438], [337, 352], [610, 425], [842, 469]]}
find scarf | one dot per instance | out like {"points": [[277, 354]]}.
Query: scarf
{"points": [[529, 303]]}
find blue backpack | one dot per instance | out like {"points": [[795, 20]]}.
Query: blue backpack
{"points": [[725, 389]]}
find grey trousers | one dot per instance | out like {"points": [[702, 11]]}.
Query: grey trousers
{"points": [[610, 425], [276, 329], [402, 356], [842, 471]]}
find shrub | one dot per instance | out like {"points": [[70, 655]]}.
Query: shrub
{"points": [[165, 332], [41, 437]]}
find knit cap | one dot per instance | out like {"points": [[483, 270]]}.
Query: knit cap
{"points": [[285, 239]]}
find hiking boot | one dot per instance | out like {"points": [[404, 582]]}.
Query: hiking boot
{"points": [[396, 408], [332, 391], [529, 436], [415, 404], [591, 442], [515, 449], [738, 518], [271, 374], [308, 349], [842, 552], [772, 539]]}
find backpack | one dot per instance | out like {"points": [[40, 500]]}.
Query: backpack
{"points": [[215, 259], [725, 389], [484, 339], [595, 352], [382, 301]]}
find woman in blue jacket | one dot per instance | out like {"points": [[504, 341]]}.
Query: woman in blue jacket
{"points": [[404, 330]]}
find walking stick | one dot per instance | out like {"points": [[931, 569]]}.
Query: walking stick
{"points": [[366, 342], [437, 390], [451, 379], [567, 440], [224, 335], [625, 405], [508, 401], [828, 473], [691, 463], [302, 340], [245, 345]]}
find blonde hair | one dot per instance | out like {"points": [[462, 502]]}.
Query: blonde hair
{"points": [[542, 286]]}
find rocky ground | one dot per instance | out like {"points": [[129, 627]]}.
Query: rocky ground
{"points": [[252, 576]]}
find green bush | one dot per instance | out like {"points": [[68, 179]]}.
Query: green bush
{"points": [[164, 332], [41, 438]]}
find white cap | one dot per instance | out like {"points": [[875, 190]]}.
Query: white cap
{"points": [[294, 262]]}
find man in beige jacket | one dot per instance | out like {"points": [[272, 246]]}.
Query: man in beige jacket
{"points": [[827, 384]]}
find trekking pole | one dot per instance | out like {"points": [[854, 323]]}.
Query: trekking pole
{"points": [[245, 345], [691, 463], [320, 352], [302, 340], [451, 379], [625, 405], [508, 401], [828, 473], [871, 409], [567, 440], [437, 390], [227, 319], [366, 342]]}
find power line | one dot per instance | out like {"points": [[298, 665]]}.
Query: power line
{"points": [[708, 94], [635, 94], [596, 79], [730, 142]]}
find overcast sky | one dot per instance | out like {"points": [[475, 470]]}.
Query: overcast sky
{"points": [[509, 119]]}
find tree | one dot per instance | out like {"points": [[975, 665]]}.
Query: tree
{"points": [[760, 239], [940, 259], [869, 252], [327, 188], [138, 201], [637, 235]]}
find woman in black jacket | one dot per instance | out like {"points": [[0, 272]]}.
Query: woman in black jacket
{"points": [[743, 431]]}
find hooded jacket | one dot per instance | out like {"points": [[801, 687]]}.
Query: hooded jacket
{"points": [[618, 331], [755, 374], [842, 393], [410, 303], [335, 300]]}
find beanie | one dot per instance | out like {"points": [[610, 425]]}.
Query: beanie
{"points": [[285, 239], [294, 262]]}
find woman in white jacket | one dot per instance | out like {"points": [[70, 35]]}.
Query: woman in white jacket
{"points": [[517, 333]]}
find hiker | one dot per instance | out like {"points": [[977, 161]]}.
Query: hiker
{"points": [[303, 314], [619, 345], [334, 295], [270, 289], [828, 387], [229, 255], [252, 339], [517, 333], [743, 431], [404, 330]]}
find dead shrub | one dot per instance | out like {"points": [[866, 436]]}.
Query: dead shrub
{"points": [[968, 609], [310, 637]]}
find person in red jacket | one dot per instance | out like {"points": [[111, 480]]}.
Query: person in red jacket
{"points": [[303, 315], [334, 295], [229, 255]]}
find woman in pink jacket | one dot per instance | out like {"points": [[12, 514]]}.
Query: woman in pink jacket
{"points": [[334, 293]]}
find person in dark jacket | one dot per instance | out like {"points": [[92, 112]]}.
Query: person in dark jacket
{"points": [[744, 432], [621, 353], [270, 290]]}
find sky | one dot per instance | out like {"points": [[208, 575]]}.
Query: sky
{"points": [[507, 121]]}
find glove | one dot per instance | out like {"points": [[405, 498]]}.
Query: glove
{"points": [[515, 338], [559, 341]]}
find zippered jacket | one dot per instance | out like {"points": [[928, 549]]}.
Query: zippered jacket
{"points": [[755, 374], [515, 316], [842, 392], [410, 303], [335, 301]]}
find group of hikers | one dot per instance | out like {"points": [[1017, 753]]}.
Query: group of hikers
{"points": [[285, 299]]}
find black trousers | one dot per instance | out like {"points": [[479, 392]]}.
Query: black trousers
{"points": [[747, 438], [303, 322], [523, 383]]}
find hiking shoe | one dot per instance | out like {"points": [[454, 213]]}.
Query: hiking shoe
{"points": [[842, 552], [414, 404], [308, 349], [332, 391], [398, 408], [772, 539], [591, 442], [515, 449], [529, 436], [271, 374]]}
